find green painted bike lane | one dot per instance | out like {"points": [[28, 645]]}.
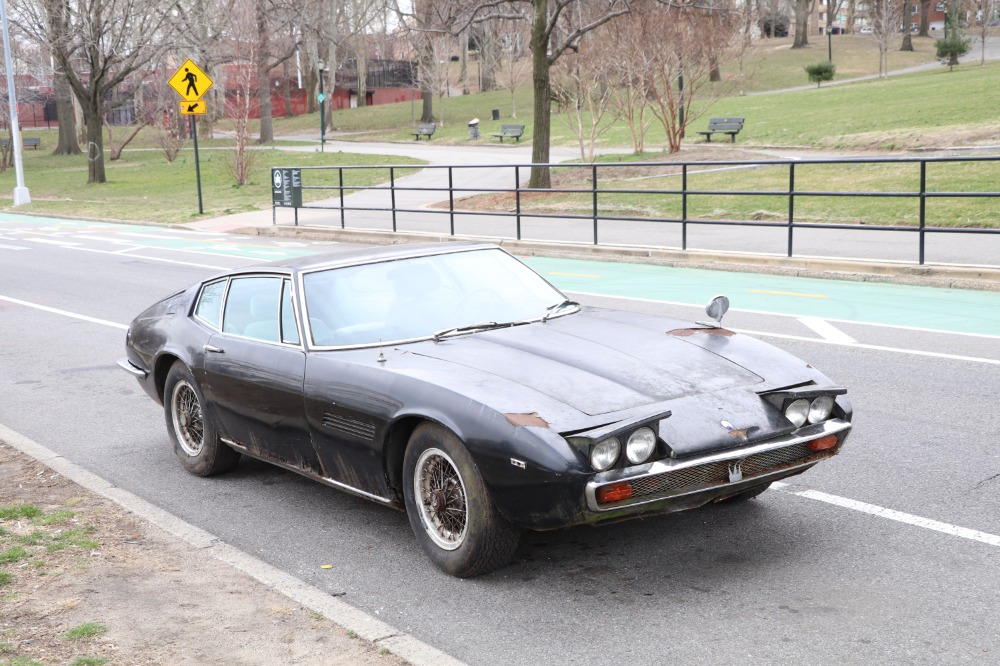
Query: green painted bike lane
{"points": [[947, 310]]}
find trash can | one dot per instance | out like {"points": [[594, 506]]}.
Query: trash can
{"points": [[496, 114], [474, 128]]}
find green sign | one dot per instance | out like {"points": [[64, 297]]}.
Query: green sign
{"points": [[286, 188]]}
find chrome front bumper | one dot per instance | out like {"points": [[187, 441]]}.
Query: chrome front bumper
{"points": [[664, 480], [132, 369]]}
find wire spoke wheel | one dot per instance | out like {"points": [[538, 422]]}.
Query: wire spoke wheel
{"points": [[442, 498], [185, 410]]}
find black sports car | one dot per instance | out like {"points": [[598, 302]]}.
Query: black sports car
{"points": [[452, 381]]}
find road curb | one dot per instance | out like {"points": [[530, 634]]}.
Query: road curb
{"points": [[980, 278], [382, 635]]}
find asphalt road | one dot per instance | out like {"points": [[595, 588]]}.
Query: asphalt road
{"points": [[887, 554]]}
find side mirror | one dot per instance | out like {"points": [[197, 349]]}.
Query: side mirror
{"points": [[717, 309]]}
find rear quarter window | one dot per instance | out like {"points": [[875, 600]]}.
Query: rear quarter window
{"points": [[209, 307]]}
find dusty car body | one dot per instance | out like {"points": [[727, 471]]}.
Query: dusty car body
{"points": [[453, 382]]}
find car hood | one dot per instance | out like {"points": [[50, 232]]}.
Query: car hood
{"points": [[594, 361]]}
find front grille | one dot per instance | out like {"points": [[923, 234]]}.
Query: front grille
{"points": [[699, 477]]}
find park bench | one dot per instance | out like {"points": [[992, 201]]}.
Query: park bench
{"points": [[424, 129], [510, 132], [730, 126], [27, 142]]}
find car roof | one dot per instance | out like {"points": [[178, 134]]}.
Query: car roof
{"points": [[352, 256]]}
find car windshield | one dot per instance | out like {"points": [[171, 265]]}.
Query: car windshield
{"points": [[422, 297]]}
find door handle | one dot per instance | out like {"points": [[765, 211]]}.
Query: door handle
{"points": [[214, 350]]}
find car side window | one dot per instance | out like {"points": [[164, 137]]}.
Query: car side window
{"points": [[289, 332], [252, 308], [209, 308]]}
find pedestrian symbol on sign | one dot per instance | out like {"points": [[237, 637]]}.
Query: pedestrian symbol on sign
{"points": [[192, 83]]}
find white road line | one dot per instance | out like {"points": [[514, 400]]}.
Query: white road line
{"points": [[173, 261], [52, 242], [900, 327], [827, 330], [859, 345], [64, 313], [892, 514], [12, 247]]}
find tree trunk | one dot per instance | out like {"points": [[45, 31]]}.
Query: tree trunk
{"points": [[907, 44], [68, 143], [925, 19], [463, 60], [93, 115], [286, 86], [540, 176], [803, 8], [489, 56], [263, 78]]}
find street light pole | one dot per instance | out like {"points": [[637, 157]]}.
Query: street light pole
{"points": [[21, 194], [322, 108]]}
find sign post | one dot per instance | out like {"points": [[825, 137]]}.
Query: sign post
{"points": [[191, 83]]}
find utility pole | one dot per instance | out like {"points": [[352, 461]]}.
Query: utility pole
{"points": [[21, 194]]}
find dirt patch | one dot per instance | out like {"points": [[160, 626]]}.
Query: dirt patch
{"points": [[83, 581]]}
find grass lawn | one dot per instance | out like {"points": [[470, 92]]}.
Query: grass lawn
{"points": [[143, 186]]}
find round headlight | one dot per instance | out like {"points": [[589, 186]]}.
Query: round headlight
{"points": [[820, 408], [797, 412], [605, 453], [640, 446]]}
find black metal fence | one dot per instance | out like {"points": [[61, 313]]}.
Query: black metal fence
{"points": [[591, 196]]}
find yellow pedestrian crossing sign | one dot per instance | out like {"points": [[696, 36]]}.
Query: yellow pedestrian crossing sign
{"points": [[190, 81], [198, 108]]}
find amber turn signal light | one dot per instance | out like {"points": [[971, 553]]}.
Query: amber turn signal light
{"points": [[614, 492], [823, 443]]}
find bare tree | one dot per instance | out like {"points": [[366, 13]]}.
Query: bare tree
{"points": [[580, 84], [509, 58], [557, 27], [884, 17], [986, 13], [97, 45]]}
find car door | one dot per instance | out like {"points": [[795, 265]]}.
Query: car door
{"points": [[254, 372]]}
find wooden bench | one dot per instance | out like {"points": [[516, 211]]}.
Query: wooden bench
{"points": [[424, 129], [730, 126], [26, 142], [510, 132]]}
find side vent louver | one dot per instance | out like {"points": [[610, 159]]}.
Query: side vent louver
{"points": [[349, 426]]}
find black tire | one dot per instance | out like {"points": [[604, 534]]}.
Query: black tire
{"points": [[453, 517], [195, 438], [744, 496]]}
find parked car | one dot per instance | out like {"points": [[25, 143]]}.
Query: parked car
{"points": [[453, 382]]}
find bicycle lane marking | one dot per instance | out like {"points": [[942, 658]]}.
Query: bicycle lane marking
{"points": [[916, 308]]}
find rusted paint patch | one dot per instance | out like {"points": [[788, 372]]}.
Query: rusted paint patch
{"points": [[532, 419], [687, 332]]}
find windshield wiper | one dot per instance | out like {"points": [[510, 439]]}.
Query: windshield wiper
{"points": [[469, 328], [553, 310]]}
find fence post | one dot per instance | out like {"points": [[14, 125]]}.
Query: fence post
{"points": [[517, 198], [340, 170], [451, 201], [923, 208], [684, 206], [392, 195], [791, 204], [593, 181]]}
